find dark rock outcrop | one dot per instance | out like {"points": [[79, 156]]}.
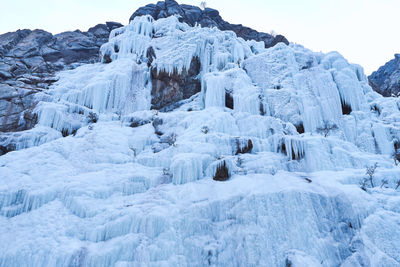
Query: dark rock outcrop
{"points": [[16, 104], [222, 173], [28, 61], [243, 149], [206, 18], [169, 88], [386, 80]]}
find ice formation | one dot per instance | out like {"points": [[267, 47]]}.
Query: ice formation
{"points": [[136, 189]]}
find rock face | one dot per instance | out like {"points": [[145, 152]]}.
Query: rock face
{"points": [[386, 80], [29, 60], [168, 89], [206, 18]]}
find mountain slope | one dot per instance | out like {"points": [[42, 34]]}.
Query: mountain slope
{"points": [[261, 167]]}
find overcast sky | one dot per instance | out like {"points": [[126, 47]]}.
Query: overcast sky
{"points": [[364, 31]]}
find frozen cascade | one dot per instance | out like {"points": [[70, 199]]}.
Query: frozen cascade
{"points": [[384, 144], [188, 167], [295, 147], [295, 130], [215, 91], [179, 43], [117, 88], [33, 137], [319, 99]]}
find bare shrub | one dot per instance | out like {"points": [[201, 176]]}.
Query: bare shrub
{"points": [[205, 129], [370, 172], [396, 157], [92, 117], [327, 128], [384, 182]]}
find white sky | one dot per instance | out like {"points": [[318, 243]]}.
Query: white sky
{"points": [[364, 31]]}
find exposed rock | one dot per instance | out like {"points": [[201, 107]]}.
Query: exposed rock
{"points": [[168, 88], [222, 173], [386, 80], [136, 122], [228, 100], [151, 55], [243, 147], [28, 62], [5, 149], [16, 104], [206, 18]]}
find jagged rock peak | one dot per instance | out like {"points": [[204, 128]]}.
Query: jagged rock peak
{"points": [[206, 18], [386, 80]]}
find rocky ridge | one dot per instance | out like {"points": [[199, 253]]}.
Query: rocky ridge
{"points": [[386, 80], [208, 17]]}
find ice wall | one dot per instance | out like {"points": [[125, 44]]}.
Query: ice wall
{"points": [[135, 187]]}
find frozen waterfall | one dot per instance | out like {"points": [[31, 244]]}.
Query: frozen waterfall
{"points": [[131, 186]]}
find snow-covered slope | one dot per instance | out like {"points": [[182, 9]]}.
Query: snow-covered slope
{"points": [[136, 188]]}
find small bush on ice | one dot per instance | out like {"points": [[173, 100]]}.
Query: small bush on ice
{"points": [[396, 157], [205, 129], [384, 182], [166, 171], [92, 117], [327, 128], [171, 139], [397, 184], [370, 172], [239, 161]]}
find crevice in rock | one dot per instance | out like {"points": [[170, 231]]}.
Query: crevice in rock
{"points": [[228, 100], [300, 128], [346, 108]]}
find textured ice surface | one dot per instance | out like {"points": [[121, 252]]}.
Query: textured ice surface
{"points": [[136, 188]]}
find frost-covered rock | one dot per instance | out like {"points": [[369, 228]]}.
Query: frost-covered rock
{"points": [[386, 80]]}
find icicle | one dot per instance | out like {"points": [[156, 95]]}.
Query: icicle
{"points": [[382, 139], [214, 91], [295, 148], [188, 167]]}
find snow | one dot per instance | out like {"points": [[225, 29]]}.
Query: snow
{"points": [[136, 189]]}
